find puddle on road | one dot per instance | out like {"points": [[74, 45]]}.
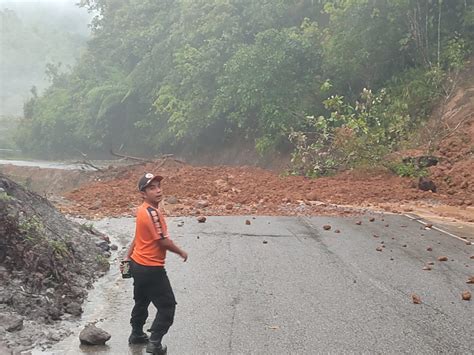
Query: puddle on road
{"points": [[111, 296]]}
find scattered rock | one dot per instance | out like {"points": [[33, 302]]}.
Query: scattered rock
{"points": [[376, 236], [96, 205], [312, 196], [466, 296], [91, 335], [265, 242], [431, 263], [202, 204], [429, 249], [429, 226], [74, 308], [172, 200], [114, 247], [11, 322], [427, 268], [371, 219], [387, 225], [247, 222], [379, 248], [470, 280], [404, 245], [337, 231], [201, 219], [415, 298], [102, 244], [326, 227], [359, 223], [443, 258], [426, 184]]}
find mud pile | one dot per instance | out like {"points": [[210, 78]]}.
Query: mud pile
{"points": [[455, 173], [47, 263], [225, 190]]}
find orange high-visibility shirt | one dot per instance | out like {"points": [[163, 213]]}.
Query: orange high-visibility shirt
{"points": [[150, 227]]}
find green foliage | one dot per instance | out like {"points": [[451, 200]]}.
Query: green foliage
{"points": [[358, 134], [5, 197], [88, 227], [32, 230], [407, 170], [159, 75]]}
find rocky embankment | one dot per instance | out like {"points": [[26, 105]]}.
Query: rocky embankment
{"points": [[47, 263]]}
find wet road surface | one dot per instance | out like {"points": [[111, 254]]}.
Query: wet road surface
{"points": [[285, 285]]}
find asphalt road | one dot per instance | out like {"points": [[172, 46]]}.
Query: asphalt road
{"points": [[285, 285]]}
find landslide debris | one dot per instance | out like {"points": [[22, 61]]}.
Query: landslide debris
{"points": [[47, 263]]}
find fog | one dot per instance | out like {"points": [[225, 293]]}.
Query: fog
{"points": [[33, 34]]}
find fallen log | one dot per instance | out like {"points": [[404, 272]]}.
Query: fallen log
{"points": [[129, 157]]}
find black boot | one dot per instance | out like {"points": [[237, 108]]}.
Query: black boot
{"points": [[137, 336], [156, 348]]}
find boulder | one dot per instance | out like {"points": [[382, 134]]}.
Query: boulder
{"points": [[92, 335]]}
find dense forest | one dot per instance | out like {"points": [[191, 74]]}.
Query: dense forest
{"points": [[160, 75], [31, 37]]}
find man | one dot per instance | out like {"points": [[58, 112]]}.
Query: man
{"points": [[147, 255]]}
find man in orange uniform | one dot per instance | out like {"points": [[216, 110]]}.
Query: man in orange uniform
{"points": [[147, 255]]}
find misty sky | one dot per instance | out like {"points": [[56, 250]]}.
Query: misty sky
{"points": [[25, 50]]}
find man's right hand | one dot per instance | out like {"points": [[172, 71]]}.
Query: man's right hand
{"points": [[184, 255]]}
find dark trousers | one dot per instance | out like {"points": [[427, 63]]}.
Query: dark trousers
{"points": [[151, 284]]}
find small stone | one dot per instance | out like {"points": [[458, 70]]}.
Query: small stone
{"points": [[265, 242], [74, 308], [202, 204], [326, 227], [429, 249], [359, 223], [470, 280], [443, 258], [337, 231], [312, 196], [229, 206], [415, 299], [11, 323], [91, 335], [247, 222], [371, 219], [430, 263], [114, 247], [466, 296], [404, 245], [429, 226], [387, 225], [427, 268], [201, 219], [172, 200], [376, 236], [379, 248]]}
